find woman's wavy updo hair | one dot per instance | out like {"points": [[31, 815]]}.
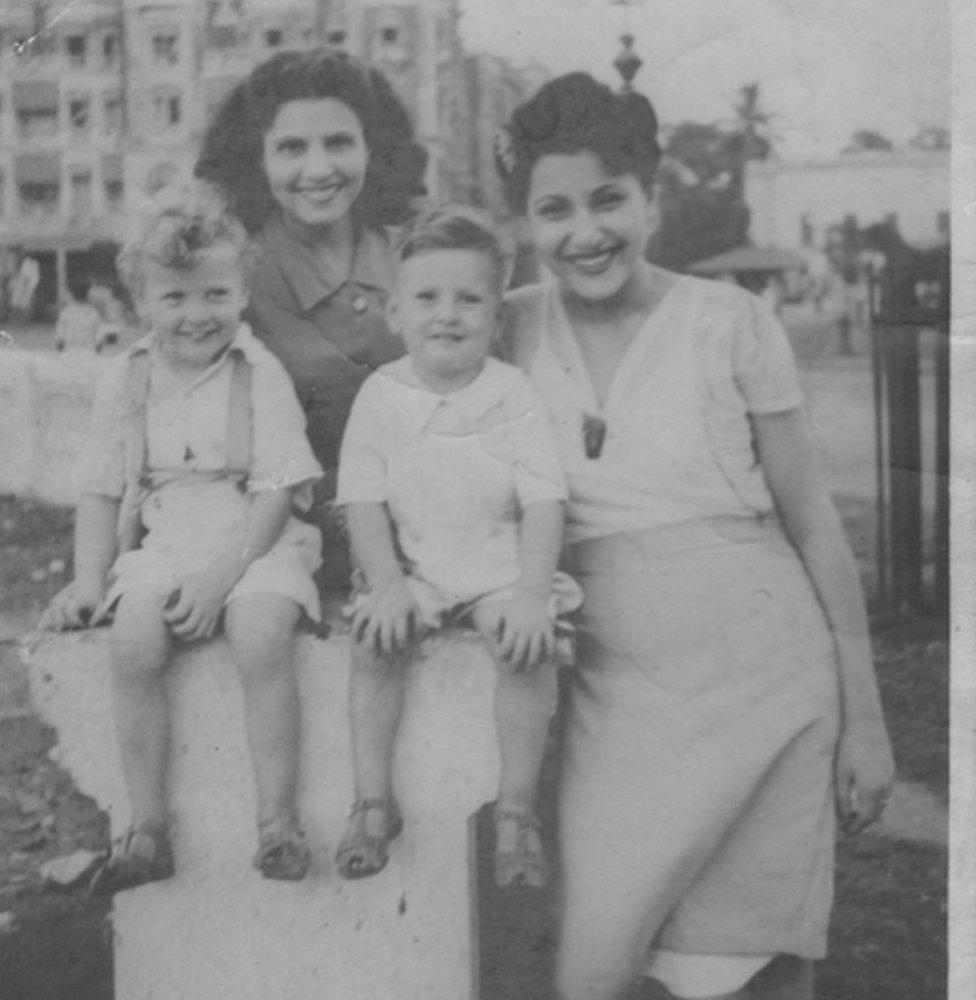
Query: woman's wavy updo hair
{"points": [[232, 153], [571, 114]]}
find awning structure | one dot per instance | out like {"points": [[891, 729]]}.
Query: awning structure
{"points": [[756, 260], [37, 168], [35, 95]]}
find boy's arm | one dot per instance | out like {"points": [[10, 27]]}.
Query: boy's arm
{"points": [[864, 768], [195, 614], [76, 605], [526, 629], [388, 616]]}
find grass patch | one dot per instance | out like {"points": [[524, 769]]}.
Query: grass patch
{"points": [[888, 932]]}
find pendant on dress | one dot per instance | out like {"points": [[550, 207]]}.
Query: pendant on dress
{"points": [[594, 432], [359, 305]]}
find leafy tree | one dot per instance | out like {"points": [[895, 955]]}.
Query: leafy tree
{"points": [[867, 139], [702, 183]]}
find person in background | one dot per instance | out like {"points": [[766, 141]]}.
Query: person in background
{"points": [[78, 321], [724, 705], [318, 157]]}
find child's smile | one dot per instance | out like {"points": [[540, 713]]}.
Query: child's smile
{"points": [[446, 306], [193, 313]]}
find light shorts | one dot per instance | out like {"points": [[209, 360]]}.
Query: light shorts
{"points": [[440, 610]]}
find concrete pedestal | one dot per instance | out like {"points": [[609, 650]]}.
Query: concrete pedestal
{"points": [[218, 930]]}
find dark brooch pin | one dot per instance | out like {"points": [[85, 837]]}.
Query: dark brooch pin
{"points": [[594, 432]]}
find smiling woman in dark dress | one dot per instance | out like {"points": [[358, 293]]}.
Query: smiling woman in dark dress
{"points": [[318, 157]]}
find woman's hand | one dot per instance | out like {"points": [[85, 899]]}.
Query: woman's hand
{"points": [[522, 632], [193, 611], [864, 773], [78, 605], [388, 618]]}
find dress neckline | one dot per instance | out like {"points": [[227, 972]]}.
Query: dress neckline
{"points": [[567, 348]]}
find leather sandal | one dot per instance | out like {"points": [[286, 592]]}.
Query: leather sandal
{"points": [[142, 854], [282, 852], [525, 863], [362, 853]]}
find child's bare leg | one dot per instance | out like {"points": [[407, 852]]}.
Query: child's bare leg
{"points": [[376, 688], [524, 705], [140, 651], [260, 629]]}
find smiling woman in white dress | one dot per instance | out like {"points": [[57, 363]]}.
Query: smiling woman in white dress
{"points": [[724, 707]]}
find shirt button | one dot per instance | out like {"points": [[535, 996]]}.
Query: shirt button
{"points": [[359, 305]]}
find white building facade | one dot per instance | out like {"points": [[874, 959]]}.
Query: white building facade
{"points": [[794, 205]]}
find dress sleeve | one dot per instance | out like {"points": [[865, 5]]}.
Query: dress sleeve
{"points": [[762, 360], [362, 465], [281, 455], [101, 469], [538, 470]]}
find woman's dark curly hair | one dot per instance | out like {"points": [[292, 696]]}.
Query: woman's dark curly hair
{"points": [[232, 152], [571, 114]]}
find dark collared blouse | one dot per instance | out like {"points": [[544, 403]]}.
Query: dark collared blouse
{"points": [[328, 332]]}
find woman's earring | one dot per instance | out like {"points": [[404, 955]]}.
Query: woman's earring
{"points": [[594, 432]]}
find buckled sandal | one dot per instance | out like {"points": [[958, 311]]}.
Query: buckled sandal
{"points": [[142, 854], [282, 851], [524, 864], [362, 853]]}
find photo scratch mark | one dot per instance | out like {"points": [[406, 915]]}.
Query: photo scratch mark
{"points": [[21, 45]]}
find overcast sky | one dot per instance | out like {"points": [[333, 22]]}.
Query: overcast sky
{"points": [[826, 67]]}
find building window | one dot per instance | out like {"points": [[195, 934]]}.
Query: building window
{"points": [[38, 199], [111, 114], [272, 38], [942, 223], [390, 36], [81, 190], [77, 48], [167, 110], [165, 49], [36, 123], [806, 231], [110, 51], [79, 109], [336, 38], [113, 195]]}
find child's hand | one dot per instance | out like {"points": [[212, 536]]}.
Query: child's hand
{"points": [[79, 605], [388, 619], [523, 635], [193, 612], [864, 775]]}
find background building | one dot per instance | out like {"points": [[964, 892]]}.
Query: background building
{"points": [[102, 101], [795, 205]]}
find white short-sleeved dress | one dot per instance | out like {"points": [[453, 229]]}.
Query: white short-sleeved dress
{"points": [[455, 471], [697, 814], [188, 513]]}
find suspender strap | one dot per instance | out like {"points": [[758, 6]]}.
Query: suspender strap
{"points": [[134, 449], [238, 439]]}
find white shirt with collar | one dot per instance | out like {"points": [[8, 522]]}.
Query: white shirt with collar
{"points": [[455, 470]]}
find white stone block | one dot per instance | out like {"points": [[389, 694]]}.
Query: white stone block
{"points": [[218, 930]]}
